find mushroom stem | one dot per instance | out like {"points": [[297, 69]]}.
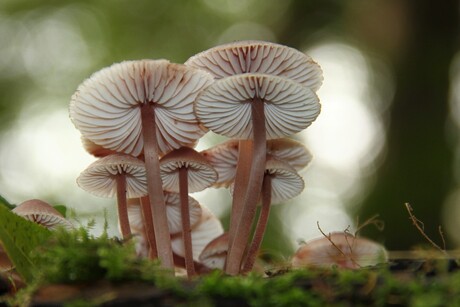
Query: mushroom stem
{"points": [[148, 224], [122, 206], [261, 224], [254, 187], [185, 216], [155, 186], [245, 150]]}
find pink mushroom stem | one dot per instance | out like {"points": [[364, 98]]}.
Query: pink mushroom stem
{"points": [[155, 186], [245, 150], [185, 216], [254, 188], [122, 206], [148, 224], [261, 224]]}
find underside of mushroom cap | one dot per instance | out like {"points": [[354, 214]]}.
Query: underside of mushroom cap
{"points": [[173, 211], [200, 172], [42, 213], [285, 182], [106, 107], [259, 57], [100, 177], [290, 151], [225, 106]]}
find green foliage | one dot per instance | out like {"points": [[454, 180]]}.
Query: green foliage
{"points": [[19, 238], [6, 203]]}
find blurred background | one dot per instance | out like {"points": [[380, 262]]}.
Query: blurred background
{"points": [[388, 132]]}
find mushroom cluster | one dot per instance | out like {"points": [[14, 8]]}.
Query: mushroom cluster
{"points": [[143, 118]]}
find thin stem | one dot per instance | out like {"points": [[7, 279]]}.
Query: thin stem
{"points": [[254, 188], [122, 206], [185, 216], [148, 224], [245, 150], [261, 224], [155, 187]]}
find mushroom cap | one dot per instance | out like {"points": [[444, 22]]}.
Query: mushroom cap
{"points": [[286, 182], [224, 157], [290, 151], [42, 213], [200, 172], [208, 228], [259, 57], [225, 106], [214, 254], [99, 178], [106, 107], [95, 149], [349, 252], [173, 213]]}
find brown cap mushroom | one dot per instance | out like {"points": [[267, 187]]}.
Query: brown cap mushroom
{"points": [[200, 173], [214, 254], [94, 149], [42, 213], [208, 228], [120, 175], [340, 249], [259, 57]]}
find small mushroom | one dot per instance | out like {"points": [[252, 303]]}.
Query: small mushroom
{"points": [[120, 175], [137, 107], [224, 156], [137, 216], [339, 249], [281, 183], [185, 170], [208, 228], [42, 213], [214, 254]]}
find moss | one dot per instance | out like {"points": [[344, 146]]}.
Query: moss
{"points": [[85, 262]]}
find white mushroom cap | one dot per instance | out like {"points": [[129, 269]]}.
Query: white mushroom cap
{"points": [[204, 232], [224, 157], [99, 178], [259, 57], [214, 254], [106, 107], [286, 182], [200, 172], [42, 213], [346, 252], [173, 212], [172, 201], [224, 107], [94, 149], [289, 151]]}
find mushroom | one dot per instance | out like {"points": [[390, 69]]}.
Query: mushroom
{"points": [[120, 175], [340, 249], [254, 108], [224, 156], [42, 213], [259, 57], [173, 212], [94, 149], [214, 254], [137, 107], [184, 170], [281, 183], [208, 228]]}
